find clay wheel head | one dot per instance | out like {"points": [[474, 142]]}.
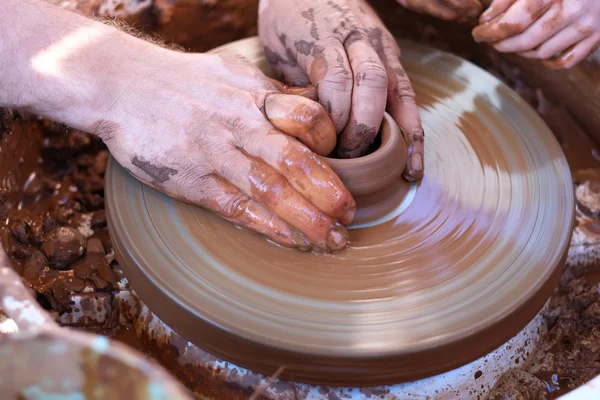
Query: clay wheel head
{"points": [[451, 269]]}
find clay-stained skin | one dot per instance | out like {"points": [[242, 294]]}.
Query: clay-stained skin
{"points": [[494, 31], [561, 32], [320, 230], [343, 48], [159, 174], [363, 137], [308, 122]]}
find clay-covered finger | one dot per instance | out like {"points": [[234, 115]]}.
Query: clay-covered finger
{"points": [[465, 8], [369, 96], [575, 54], [310, 91], [307, 173], [496, 8], [402, 106], [328, 68], [303, 119], [232, 205], [270, 189], [556, 44], [540, 31], [514, 21], [433, 8]]}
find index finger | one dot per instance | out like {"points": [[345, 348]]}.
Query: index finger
{"points": [[368, 95]]}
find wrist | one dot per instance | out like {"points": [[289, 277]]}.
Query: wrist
{"points": [[102, 81], [67, 67]]}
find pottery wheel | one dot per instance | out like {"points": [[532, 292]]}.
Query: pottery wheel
{"points": [[461, 265]]}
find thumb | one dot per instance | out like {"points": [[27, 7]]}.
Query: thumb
{"points": [[303, 119]]}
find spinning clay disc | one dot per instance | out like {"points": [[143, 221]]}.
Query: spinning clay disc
{"points": [[454, 266]]}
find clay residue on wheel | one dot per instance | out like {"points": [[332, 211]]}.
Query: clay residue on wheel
{"points": [[568, 355], [53, 197]]}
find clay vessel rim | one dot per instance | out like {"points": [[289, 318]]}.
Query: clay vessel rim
{"points": [[389, 138]]}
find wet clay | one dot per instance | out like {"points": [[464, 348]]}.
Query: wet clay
{"points": [[456, 268], [54, 222]]}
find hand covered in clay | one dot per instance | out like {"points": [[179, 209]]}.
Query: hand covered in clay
{"points": [[449, 10], [343, 48], [207, 129], [220, 135], [561, 32]]}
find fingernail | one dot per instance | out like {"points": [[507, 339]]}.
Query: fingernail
{"points": [[338, 237], [416, 163], [349, 214], [414, 168]]}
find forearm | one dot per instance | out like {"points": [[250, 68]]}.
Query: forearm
{"points": [[62, 65]]}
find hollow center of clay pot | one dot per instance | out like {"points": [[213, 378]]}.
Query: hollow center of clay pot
{"points": [[373, 147], [382, 165], [375, 179]]}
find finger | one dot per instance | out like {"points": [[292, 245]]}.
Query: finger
{"points": [[270, 189], [230, 204], [496, 8], [513, 22], [465, 8], [432, 8], [329, 70], [310, 92], [369, 95], [306, 172], [402, 106], [303, 119], [284, 63], [576, 53], [551, 22], [556, 44]]}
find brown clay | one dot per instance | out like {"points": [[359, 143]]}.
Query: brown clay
{"points": [[441, 281], [376, 171]]}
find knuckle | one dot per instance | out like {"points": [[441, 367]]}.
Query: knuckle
{"points": [[190, 183], [372, 73], [338, 78], [572, 8], [274, 181], [404, 91], [235, 207], [586, 27]]}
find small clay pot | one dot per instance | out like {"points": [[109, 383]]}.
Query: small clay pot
{"points": [[377, 170]]}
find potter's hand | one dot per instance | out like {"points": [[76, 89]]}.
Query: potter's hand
{"points": [[450, 10], [228, 151], [343, 47], [561, 32], [202, 128]]}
